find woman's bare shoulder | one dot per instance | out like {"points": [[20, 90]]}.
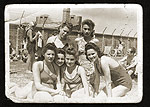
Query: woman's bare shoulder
{"points": [[38, 64], [106, 60]]}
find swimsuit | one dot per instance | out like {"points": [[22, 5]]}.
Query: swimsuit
{"points": [[46, 78], [119, 76], [73, 80]]}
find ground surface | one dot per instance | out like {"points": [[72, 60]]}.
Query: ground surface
{"points": [[20, 77]]}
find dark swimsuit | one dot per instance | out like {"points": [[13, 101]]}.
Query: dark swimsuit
{"points": [[30, 45], [119, 76]]}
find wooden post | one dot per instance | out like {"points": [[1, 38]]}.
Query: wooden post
{"points": [[128, 40], [121, 35], [17, 38], [121, 39], [128, 43], [103, 40], [113, 39], [135, 40], [43, 30]]}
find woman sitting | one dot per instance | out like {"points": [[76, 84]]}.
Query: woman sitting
{"points": [[74, 76], [45, 75], [118, 82], [60, 62]]}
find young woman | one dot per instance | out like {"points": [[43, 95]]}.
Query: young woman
{"points": [[45, 75], [118, 82], [74, 76], [60, 61], [86, 36], [46, 71]]}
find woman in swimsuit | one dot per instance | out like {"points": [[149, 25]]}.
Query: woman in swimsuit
{"points": [[45, 74], [118, 82], [74, 76]]}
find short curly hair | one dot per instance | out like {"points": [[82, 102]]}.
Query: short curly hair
{"points": [[49, 46], [91, 45], [72, 51], [68, 25], [89, 22]]}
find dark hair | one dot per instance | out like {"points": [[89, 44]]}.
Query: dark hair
{"points": [[68, 25], [49, 46], [60, 50], [89, 22], [133, 50], [72, 51], [93, 46]]}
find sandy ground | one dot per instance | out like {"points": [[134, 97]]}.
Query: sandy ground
{"points": [[21, 78]]}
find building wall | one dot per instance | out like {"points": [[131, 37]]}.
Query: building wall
{"points": [[13, 35], [73, 35]]}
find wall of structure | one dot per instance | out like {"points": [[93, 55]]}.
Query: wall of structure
{"points": [[129, 41]]}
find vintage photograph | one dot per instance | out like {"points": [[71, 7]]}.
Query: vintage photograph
{"points": [[74, 53]]}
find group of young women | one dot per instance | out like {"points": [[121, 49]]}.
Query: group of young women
{"points": [[60, 73], [74, 74]]}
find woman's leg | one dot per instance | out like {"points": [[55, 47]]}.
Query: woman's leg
{"points": [[78, 94], [42, 97], [22, 92], [60, 99], [30, 60], [119, 91]]}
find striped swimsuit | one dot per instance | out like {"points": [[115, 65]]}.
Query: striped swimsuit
{"points": [[73, 80]]}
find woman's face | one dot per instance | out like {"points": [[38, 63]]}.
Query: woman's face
{"points": [[64, 32], [86, 30], [92, 55], [70, 60], [49, 55], [60, 59]]}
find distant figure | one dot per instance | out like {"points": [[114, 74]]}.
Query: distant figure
{"points": [[31, 43], [24, 55], [120, 48], [130, 62]]}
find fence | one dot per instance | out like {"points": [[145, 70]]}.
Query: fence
{"points": [[104, 39]]}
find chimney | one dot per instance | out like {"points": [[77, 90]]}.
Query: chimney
{"points": [[66, 15]]}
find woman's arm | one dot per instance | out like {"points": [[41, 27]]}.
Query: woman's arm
{"points": [[58, 85], [81, 71], [107, 76], [37, 67]]}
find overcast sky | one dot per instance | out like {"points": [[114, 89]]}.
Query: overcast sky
{"points": [[119, 17]]}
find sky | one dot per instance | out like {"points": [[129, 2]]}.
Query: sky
{"points": [[123, 18]]}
